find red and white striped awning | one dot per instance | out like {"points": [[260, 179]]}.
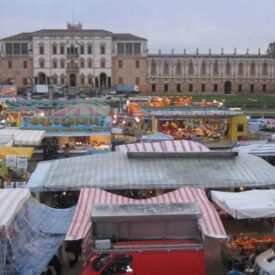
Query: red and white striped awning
{"points": [[163, 146], [209, 223]]}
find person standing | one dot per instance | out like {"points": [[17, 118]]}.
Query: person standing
{"points": [[67, 150]]}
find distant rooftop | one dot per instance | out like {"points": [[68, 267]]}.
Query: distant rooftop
{"points": [[23, 36], [127, 36]]}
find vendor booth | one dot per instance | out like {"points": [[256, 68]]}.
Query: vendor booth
{"points": [[80, 228], [81, 126]]}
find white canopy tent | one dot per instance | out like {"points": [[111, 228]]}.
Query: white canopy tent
{"points": [[11, 202], [246, 205], [157, 136], [24, 137]]}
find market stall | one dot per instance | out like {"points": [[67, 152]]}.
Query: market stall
{"points": [[80, 228]]}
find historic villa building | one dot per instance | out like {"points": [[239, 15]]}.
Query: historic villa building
{"points": [[211, 73], [98, 58]]}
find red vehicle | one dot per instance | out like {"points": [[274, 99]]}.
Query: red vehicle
{"points": [[146, 244]]}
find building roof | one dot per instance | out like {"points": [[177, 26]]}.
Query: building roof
{"points": [[76, 32], [212, 56], [127, 37], [24, 36], [116, 170]]}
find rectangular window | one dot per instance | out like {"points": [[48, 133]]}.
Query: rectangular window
{"points": [[264, 87], [25, 81], [240, 127], [8, 48], [129, 48], [120, 48], [102, 49], [54, 64], [89, 49], [153, 87], [137, 48], [41, 64], [10, 64], [203, 88], [240, 88], [178, 88], [137, 64], [190, 88], [62, 64], [252, 88], [41, 50], [82, 49], [215, 87], [137, 81], [166, 88], [24, 48], [25, 64], [62, 49], [120, 63], [90, 80], [54, 50], [16, 48], [120, 80]]}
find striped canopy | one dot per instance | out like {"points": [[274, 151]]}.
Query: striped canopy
{"points": [[84, 110], [80, 228]]}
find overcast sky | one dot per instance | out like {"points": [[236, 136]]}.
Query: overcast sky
{"points": [[167, 24]]}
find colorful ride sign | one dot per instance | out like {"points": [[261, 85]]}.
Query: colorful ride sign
{"points": [[67, 123]]}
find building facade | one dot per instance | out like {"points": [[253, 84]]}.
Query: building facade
{"points": [[221, 74], [130, 60], [73, 57]]}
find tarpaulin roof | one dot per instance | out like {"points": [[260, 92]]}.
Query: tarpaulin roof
{"points": [[209, 223], [148, 171], [247, 204], [163, 146], [11, 202], [261, 150], [33, 236], [17, 151], [157, 137], [6, 140], [24, 137]]}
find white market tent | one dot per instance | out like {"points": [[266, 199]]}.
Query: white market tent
{"points": [[157, 136], [257, 149], [24, 137], [11, 202], [246, 205]]}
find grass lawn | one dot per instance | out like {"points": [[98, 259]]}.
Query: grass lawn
{"points": [[244, 101]]}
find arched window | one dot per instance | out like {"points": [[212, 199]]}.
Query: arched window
{"points": [[102, 63], [228, 68], [166, 69], [252, 69], [265, 69], [190, 68], [203, 68], [153, 68], [90, 79], [62, 63], [240, 69], [216, 68], [82, 79], [62, 79], [90, 63], [41, 63], [54, 63], [54, 49], [54, 78], [178, 68], [82, 63]]}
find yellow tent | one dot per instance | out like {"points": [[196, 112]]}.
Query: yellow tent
{"points": [[18, 151]]}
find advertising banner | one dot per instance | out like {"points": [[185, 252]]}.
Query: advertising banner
{"points": [[68, 123], [22, 163], [8, 91], [11, 161]]}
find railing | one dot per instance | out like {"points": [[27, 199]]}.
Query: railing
{"points": [[72, 56], [72, 69]]}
